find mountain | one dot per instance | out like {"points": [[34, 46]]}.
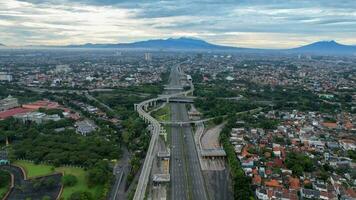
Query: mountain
{"points": [[326, 47], [2, 45], [171, 43], [192, 44]]}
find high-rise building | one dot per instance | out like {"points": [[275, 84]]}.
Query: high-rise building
{"points": [[8, 103], [148, 56]]}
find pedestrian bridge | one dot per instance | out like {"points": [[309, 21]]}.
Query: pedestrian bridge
{"points": [[218, 152], [182, 123]]}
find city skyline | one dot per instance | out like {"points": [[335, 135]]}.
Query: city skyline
{"points": [[255, 24]]}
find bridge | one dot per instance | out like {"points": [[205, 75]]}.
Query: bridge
{"points": [[182, 123], [180, 99], [173, 88], [218, 152]]}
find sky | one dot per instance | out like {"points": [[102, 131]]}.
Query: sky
{"points": [[240, 23]]}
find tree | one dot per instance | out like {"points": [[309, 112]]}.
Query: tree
{"points": [[4, 178], [81, 196], [69, 180], [46, 198], [99, 174]]}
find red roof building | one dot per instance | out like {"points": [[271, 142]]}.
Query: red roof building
{"points": [[41, 104], [13, 112]]}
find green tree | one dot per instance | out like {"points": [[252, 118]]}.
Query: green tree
{"points": [[69, 180], [81, 196]]}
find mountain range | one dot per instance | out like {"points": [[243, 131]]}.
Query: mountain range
{"points": [[192, 44], [330, 47], [182, 43], [322, 47]]}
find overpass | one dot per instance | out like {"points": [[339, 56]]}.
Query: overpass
{"points": [[217, 152], [181, 123], [185, 99]]}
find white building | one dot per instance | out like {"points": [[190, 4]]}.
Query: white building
{"points": [[37, 117], [62, 69], [5, 77], [8, 103], [85, 127]]}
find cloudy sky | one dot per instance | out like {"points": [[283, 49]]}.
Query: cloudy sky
{"points": [[244, 23]]}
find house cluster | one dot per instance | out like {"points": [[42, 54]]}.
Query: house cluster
{"points": [[92, 110], [305, 157], [92, 75]]}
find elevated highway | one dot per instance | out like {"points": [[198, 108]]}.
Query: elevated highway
{"points": [[142, 109]]}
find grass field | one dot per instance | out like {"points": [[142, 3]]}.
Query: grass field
{"points": [[163, 114], [33, 170]]}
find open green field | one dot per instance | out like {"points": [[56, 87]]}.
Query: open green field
{"points": [[34, 170], [163, 114]]}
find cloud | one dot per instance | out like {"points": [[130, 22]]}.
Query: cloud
{"points": [[247, 23]]}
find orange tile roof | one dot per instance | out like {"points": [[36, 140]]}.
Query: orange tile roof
{"points": [[272, 183], [294, 183], [256, 180], [11, 112], [351, 192], [330, 124], [348, 125], [254, 171]]}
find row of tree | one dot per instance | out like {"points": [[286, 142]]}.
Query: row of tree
{"points": [[241, 183]]}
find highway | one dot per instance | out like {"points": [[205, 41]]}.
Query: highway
{"points": [[187, 180], [156, 128]]}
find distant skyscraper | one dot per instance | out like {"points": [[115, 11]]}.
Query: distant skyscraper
{"points": [[148, 56]]}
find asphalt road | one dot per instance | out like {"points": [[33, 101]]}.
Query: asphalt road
{"points": [[187, 180]]}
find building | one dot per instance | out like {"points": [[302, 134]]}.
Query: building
{"points": [[8, 103], [41, 104], [12, 112], [62, 69], [37, 117], [148, 56], [85, 127], [5, 77]]}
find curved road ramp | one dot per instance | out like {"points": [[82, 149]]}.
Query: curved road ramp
{"points": [[35, 188]]}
